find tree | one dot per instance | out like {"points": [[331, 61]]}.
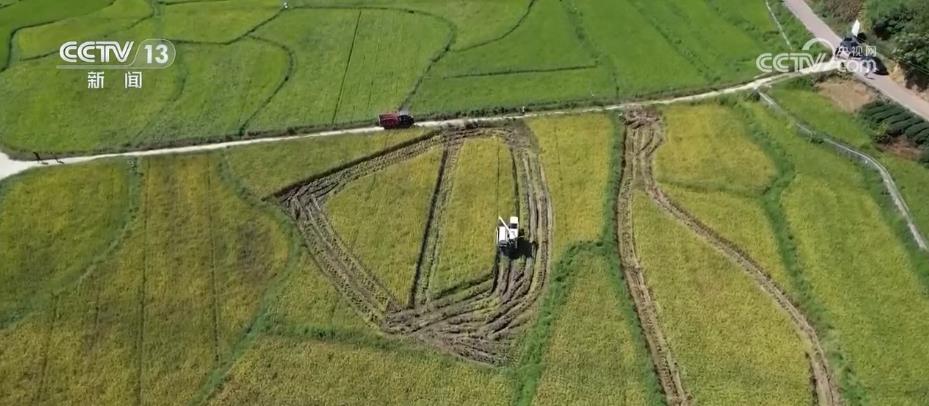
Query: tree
{"points": [[913, 48]]}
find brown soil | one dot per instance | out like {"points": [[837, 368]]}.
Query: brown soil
{"points": [[476, 321], [917, 85], [825, 385], [849, 95], [902, 147]]}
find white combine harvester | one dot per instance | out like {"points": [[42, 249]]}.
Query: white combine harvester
{"points": [[508, 234]]}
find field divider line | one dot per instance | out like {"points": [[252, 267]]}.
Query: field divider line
{"points": [[825, 384], [780, 27], [348, 65], [214, 298], [886, 178], [10, 167]]}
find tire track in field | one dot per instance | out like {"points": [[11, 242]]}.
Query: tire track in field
{"points": [[663, 360], [476, 320], [825, 385], [214, 297], [140, 335], [428, 254]]}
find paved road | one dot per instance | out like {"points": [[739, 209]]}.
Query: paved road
{"points": [[883, 84], [10, 167]]}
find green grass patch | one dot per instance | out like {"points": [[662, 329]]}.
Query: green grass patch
{"points": [[268, 168]]}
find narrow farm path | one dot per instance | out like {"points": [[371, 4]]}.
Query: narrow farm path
{"points": [[886, 178], [10, 166], [826, 386]]}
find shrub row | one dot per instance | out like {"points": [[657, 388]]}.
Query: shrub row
{"points": [[891, 120]]}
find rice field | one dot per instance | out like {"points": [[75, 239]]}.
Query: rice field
{"points": [[382, 218], [752, 355], [483, 188]]}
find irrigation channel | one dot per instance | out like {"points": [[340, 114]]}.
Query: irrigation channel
{"points": [[475, 321], [644, 136]]}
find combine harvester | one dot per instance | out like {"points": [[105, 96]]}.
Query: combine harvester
{"points": [[508, 235]]}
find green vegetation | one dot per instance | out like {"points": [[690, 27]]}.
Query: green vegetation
{"points": [[842, 238], [817, 112], [577, 155], [708, 148], [483, 188], [381, 218], [35, 12], [35, 41], [753, 355], [593, 354], [153, 319], [268, 168], [72, 215]]}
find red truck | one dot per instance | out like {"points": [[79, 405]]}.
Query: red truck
{"points": [[395, 120]]}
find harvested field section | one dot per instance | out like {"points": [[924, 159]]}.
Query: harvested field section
{"points": [[708, 147], [482, 189], [476, 322], [741, 220], [860, 272], [55, 222], [267, 168], [593, 354], [283, 370], [733, 345], [545, 40], [577, 152], [389, 52], [381, 218]]}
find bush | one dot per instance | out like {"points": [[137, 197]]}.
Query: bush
{"points": [[881, 137], [889, 17], [885, 115], [898, 118], [916, 129], [901, 126], [922, 138]]}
